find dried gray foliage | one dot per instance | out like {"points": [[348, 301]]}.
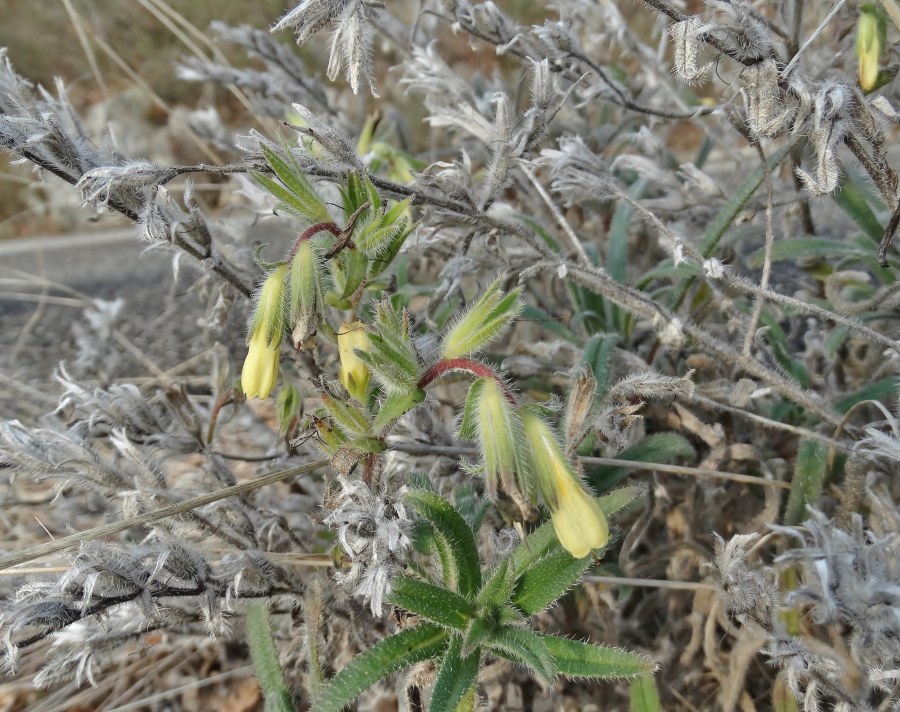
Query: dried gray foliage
{"points": [[846, 581], [556, 152]]}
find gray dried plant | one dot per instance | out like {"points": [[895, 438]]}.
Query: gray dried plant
{"points": [[662, 295]]}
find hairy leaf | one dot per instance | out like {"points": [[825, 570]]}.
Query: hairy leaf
{"points": [[456, 544], [409, 646], [431, 602]]}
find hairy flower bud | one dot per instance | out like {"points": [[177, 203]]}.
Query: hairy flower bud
{"points": [[261, 364], [577, 517], [306, 292], [354, 373]]}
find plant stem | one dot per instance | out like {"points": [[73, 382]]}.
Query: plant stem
{"points": [[312, 231], [476, 368], [51, 547]]}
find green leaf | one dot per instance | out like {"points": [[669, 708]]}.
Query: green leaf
{"points": [[377, 238], [458, 674], [726, 215], [372, 195], [476, 633], [456, 545], [535, 314], [288, 404], [352, 421], [792, 249], [392, 360], [544, 582], [808, 479], [395, 405], [883, 389], [379, 264], [409, 646], [499, 586], [354, 194], [576, 659], [486, 319], [597, 352], [644, 697], [301, 196], [471, 506], [348, 271], [265, 660], [525, 647], [667, 268], [852, 201], [659, 447], [540, 230], [397, 211], [434, 603]]}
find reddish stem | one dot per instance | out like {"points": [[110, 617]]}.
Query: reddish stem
{"points": [[476, 368], [314, 230]]}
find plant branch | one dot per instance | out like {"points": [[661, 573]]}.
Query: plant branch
{"points": [[218, 266], [634, 301], [51, 547], [701, 472]]}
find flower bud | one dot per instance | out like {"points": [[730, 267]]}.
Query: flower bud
{"points": [[354, 373], [577, 517], [491, 419], [261, 364], [498, 431], [870, 39], [306, 292]]}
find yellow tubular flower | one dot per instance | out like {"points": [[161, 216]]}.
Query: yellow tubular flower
{"points": [[261, 364], [354, 373], [260, 367], [577, 518]]}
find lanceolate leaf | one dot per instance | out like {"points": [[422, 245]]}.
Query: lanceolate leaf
{"points": [[406, 648], [792, 249], [265, 660], [431, 602], [395, 405], [853, 201], [458, 675], [301, 195], [659, 447], [809, 477], [576, 659], [597, 352], [549, 579], [459, 560], [498, 588], [644, 697], [525, 647]]}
